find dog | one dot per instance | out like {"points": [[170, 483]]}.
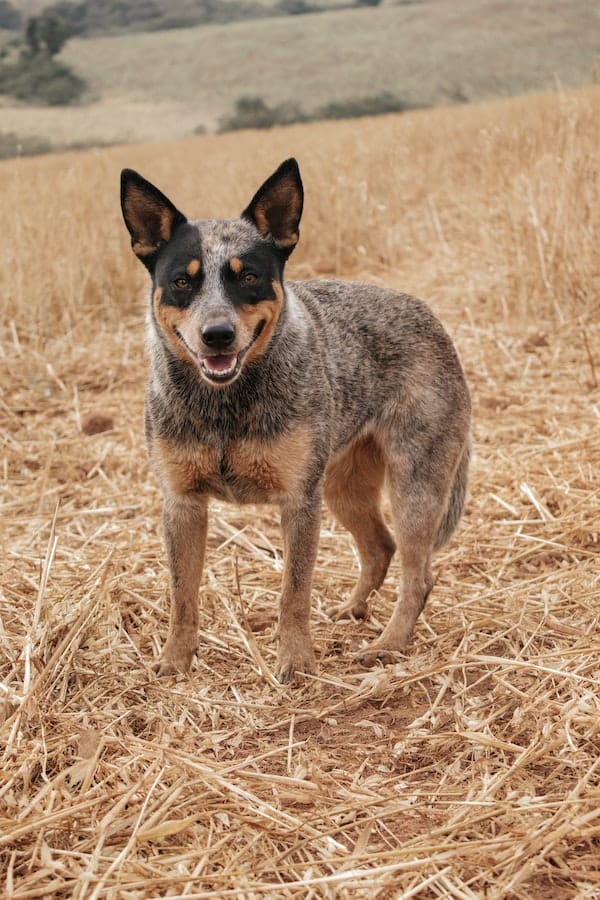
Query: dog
{"points": [[267, 391]]}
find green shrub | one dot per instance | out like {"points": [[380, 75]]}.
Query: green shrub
{"points": [[39, 78], [253, 112], [296, 7], [377, 105]]}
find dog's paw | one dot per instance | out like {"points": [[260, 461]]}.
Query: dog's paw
{"points": [[295, 659], [174, 660], [353, 611], [377, 653]]}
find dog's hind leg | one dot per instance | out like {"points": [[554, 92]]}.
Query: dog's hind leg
{"points": [[421, 484], [353, 483]]}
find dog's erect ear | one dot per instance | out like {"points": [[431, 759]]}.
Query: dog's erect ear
{"points": [[276, 207], [150, 216]]}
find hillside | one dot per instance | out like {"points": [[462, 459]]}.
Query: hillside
{"points": [[164, 85], [470, 768]]}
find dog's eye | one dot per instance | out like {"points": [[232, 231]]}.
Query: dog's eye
{"points": [[247, 279], [182, 284]]}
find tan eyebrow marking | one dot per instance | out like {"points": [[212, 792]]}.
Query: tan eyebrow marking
{"points": [[236, 265], [193, 267]]}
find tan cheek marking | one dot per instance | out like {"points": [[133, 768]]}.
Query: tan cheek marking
{"points": [[278, 466], [168, 318], [267, 310], [180, 468], [193, 267], [236, 265], [156, 298]]}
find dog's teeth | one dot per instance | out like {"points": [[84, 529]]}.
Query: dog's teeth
{"points": [[222, 374]]}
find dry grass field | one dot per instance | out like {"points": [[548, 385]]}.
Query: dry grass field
{"points": [[163, 85], [470, 769]]}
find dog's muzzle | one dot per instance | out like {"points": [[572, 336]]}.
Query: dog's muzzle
{"points": [[216, 365]]}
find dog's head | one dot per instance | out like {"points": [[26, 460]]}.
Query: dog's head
{"points": [[217, 285]]}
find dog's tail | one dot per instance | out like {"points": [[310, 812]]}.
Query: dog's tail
{"points": [[456, 500]]}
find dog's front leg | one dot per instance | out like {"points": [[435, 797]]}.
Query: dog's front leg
{"points": [[185, 521], [300, 523]]}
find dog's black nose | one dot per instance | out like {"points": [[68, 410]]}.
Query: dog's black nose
{"points": [[218, 335]]}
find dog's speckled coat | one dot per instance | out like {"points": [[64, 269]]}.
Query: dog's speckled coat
{"points": [[267, 391]]}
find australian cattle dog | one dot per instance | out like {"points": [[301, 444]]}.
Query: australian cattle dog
{"points": [[268, 391]]}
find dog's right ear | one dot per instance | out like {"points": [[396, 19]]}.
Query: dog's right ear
{"points": [[150, 217], [276, 208]]}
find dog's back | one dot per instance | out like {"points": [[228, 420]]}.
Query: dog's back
{"points": [[384, 355]]}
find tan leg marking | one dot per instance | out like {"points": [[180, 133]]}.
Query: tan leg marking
{"points": [[353, 482]]}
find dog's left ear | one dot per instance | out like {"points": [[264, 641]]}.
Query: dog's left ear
{"points": [[150, 217], [276, 207]]}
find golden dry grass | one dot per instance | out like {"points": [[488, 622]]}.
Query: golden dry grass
{"points": [[472, 768]]}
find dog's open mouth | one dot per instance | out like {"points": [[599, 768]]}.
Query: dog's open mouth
{"points": [[221, 368]]}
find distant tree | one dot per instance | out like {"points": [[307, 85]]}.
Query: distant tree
{"points": [[54, 32], [32, 35], [48, 32], [35, 75]]}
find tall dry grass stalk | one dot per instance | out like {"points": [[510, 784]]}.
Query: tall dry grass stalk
{"points": [[471, 768]]}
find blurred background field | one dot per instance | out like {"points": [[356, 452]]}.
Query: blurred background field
{"points": [[162, 85], [468, 770]]}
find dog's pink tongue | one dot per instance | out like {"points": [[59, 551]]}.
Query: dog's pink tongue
{"points": [[219, 363]]}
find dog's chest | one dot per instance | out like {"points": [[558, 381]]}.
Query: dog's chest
{"points": [[245, 471]]}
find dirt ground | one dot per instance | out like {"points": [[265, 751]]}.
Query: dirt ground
{"points": [[468, 769]]}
